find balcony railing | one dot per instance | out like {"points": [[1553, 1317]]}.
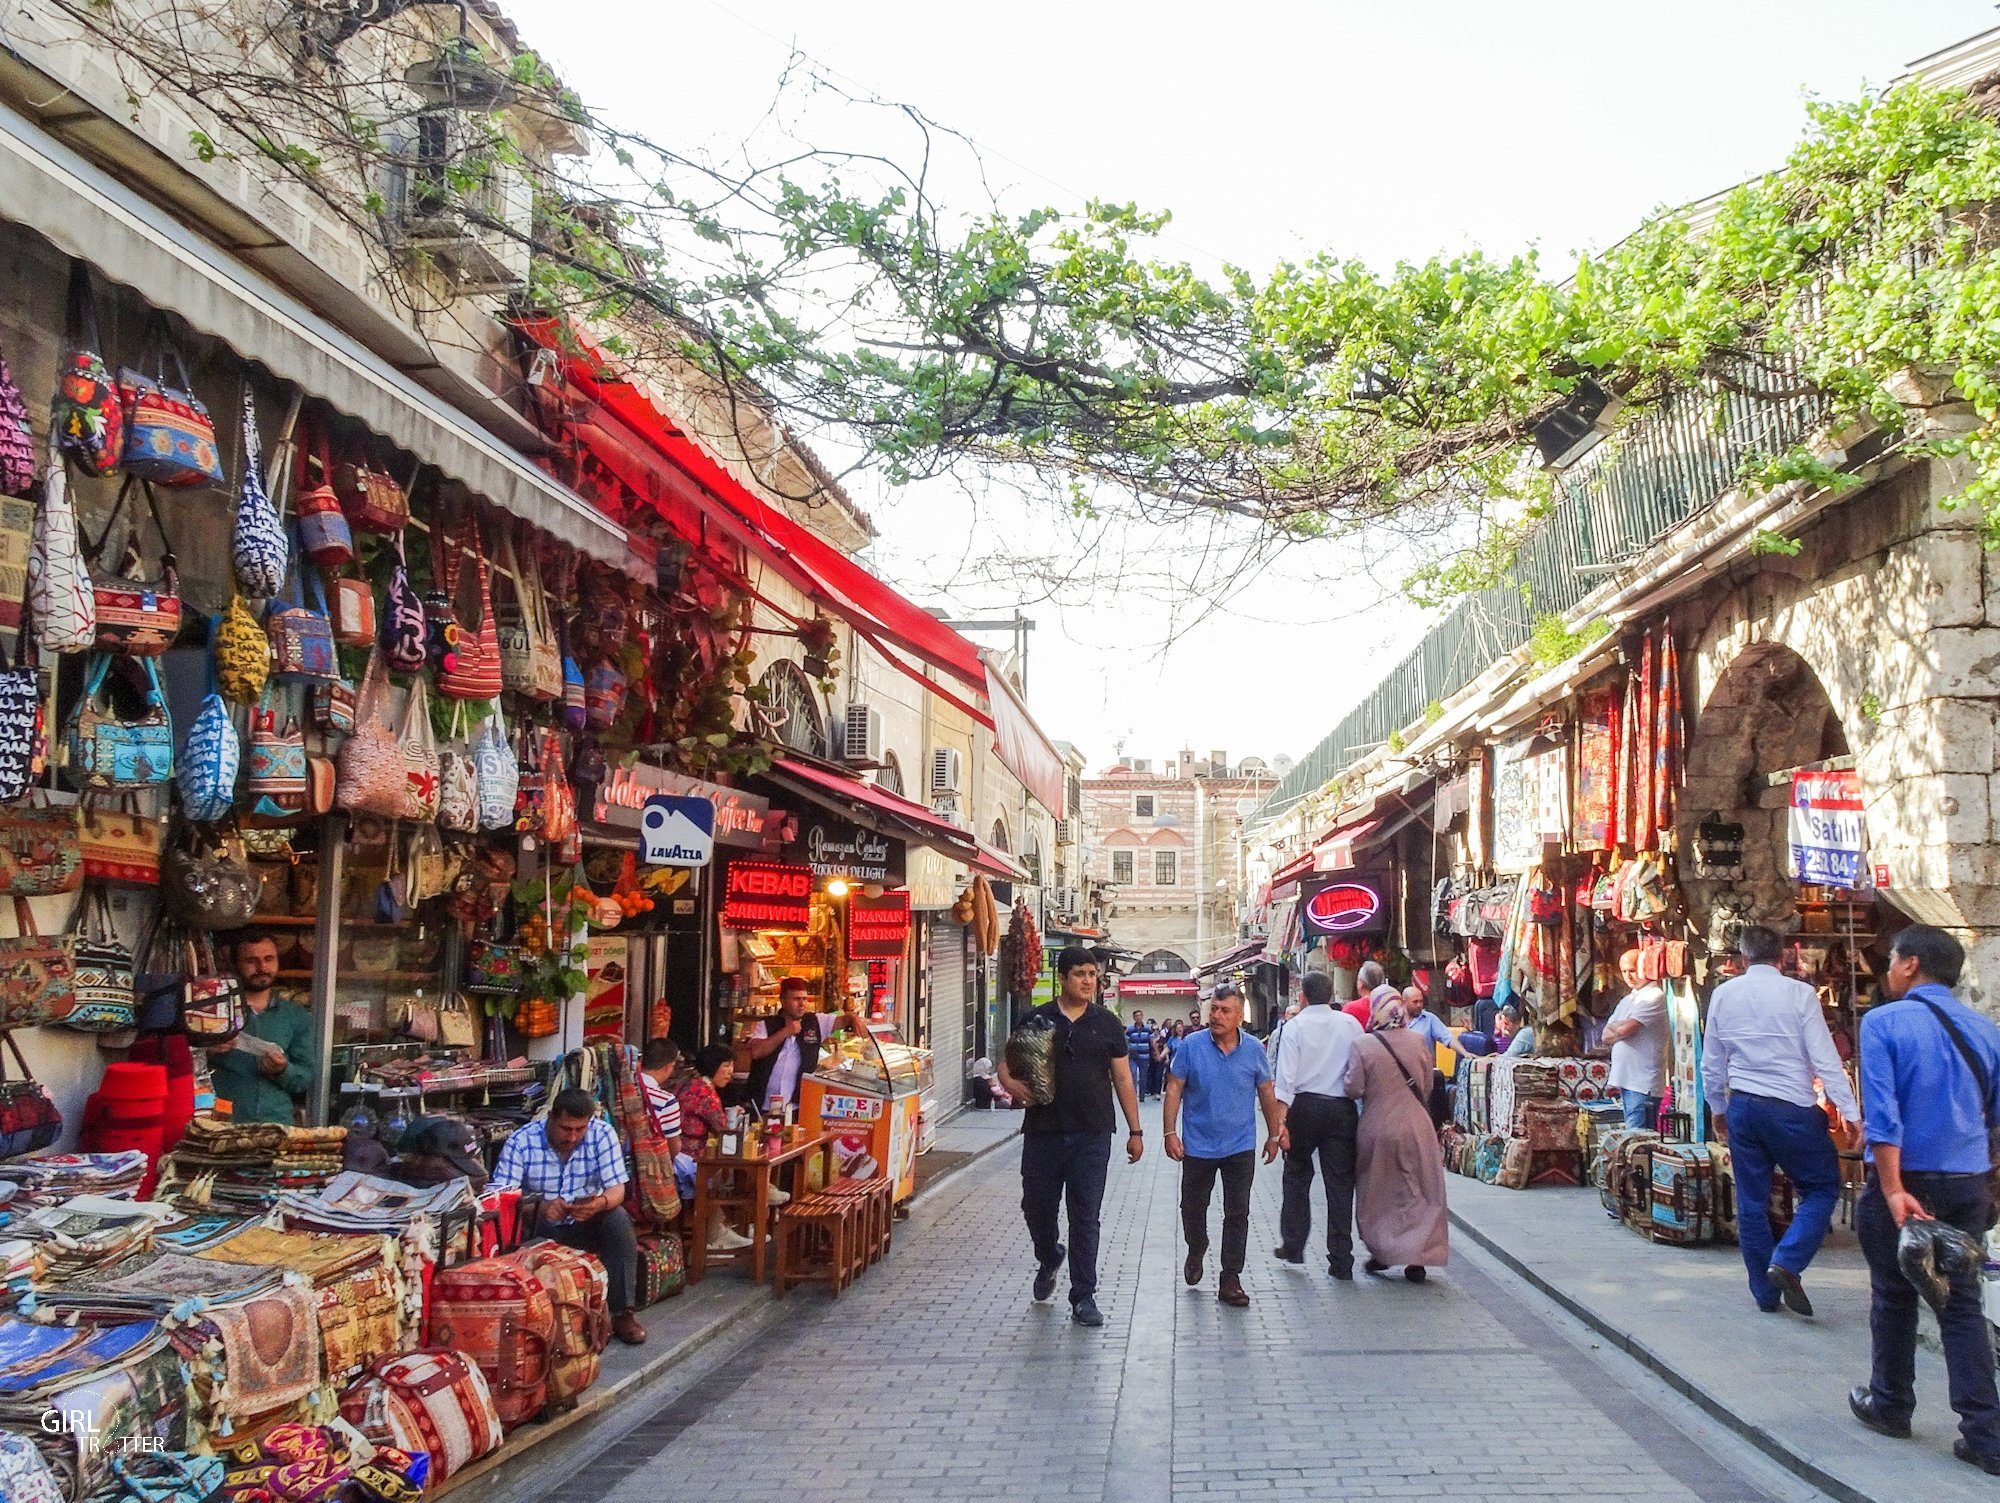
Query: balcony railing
{"points": [[1654, 473]]}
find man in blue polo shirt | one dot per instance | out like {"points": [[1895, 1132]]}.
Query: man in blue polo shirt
{"points": [[1930, 1090], [1222, 1075], [1139, 1040]]}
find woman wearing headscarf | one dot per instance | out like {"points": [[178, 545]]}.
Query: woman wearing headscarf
{"points": [[1399, 1205]]}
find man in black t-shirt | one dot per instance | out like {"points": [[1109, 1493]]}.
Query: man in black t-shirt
{"points": [[1066, 1143]]}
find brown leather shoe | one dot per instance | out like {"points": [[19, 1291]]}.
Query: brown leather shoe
{"points": [[1231, 1293], [626, 1328]]}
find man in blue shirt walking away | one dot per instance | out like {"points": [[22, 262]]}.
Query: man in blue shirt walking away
{"points": [[1930, 1091], [1139, 1040], [1222, 1077]]}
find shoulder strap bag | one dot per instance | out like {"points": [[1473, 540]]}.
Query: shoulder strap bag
{"points": [[136, 617], [37, 974], [474, 672], [29, 1118], [104, 995], [109, 755], [86, 421], [257, 547], [1979, 1074], [169, 436]]}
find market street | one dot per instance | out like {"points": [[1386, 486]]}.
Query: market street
{"points": [[934, 1377]]}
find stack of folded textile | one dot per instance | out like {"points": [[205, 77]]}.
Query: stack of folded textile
{"points": [[43, 1179], [251, 1358], [20, 1265], [117, 1390], [153, 1283], [357, 1286], [194, 1231], [249, 1165], [363, 1203], [87, 1234]]}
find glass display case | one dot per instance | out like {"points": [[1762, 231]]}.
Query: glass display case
{"points": [[876, 1060], [867, 1092]]}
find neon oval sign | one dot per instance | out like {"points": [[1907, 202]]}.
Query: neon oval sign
{"points": [[1342, 906]]}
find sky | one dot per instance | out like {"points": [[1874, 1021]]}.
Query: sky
{"points": [[1270, 130]]}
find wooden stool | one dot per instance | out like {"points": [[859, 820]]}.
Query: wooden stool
{"points": [[815, 1243], [866, 1197]]}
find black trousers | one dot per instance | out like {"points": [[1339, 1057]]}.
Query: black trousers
{"points": [[1059, 1168], [608, 1237], [1198, 1185], [1959, 1199], [1323, 1125]]}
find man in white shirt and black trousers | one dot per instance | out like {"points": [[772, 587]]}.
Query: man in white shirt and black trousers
{"points": [[1316, 1117], [1765, 1045]]}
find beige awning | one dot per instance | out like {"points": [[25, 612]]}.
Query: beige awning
{"points": [[88, 214]]}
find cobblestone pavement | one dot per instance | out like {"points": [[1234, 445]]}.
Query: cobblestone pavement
{"points": [[936, 1378]]}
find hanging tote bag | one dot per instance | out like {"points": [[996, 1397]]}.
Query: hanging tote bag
{"points": [[353, 613], [109, 755], [105, 1001], [322, 526], [211, 1003], [420, 756], [59, 593], [499, 773], [404, 634], [257, 547], [372, 498], [137, 617], [530, 661], [332, 708], [559, 821], [29, 1118], [275, 791], [475, 671], [169, 436], [86, 421], [120, 845], [23, 742], [302, 636], [41, 851], [458, 779], [242, 654], [206, 880], [371, 777], [17, 438], [604, 696], [37, 974], [210, 762]]}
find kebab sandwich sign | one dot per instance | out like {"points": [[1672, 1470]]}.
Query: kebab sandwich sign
{"points": [[1345, 903]]}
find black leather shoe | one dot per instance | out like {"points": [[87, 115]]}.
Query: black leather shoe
{"points": [[1371, 1266], [1342, 1271], [1285, 1256], [1862, 1403], [1045, 1278], [1191, 1269], [1790, 1290], [1414, 1273], [1085, 1312], [1990, 1465], [1231, 1293]]}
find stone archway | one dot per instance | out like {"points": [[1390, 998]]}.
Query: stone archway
{"points": [[1768, 712]]}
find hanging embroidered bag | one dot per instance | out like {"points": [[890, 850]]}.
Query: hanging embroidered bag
{"points": [[372, 498], [559, 821], [604, 696], [109, 755], [475, 672], [137, 617], [206, 880], [17, 438], [29, 1118], [103, 980], [86, 421], [276, 788], [257, 547], [404, 635], [37, 975], [169, 436], [242, 654], [332, 708], [531, 794], [41, 851], [210, 762], [302, 636], [458, 779], [322, 526], [372, 779], [499, 772], [120, 845], [420, 756], [60, 598], [211, 1003]]}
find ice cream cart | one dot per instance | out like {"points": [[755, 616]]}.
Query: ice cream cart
{"points": [[867, 1090]]}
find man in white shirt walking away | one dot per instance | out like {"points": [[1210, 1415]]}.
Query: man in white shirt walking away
{"points": [[1765, 1046], [1637, 1034], [1315, 1116]]}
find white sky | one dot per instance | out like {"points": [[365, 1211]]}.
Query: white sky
{"points": [[1271, 130]]}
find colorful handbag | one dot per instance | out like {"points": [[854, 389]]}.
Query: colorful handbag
{"points": [[109, 755], [493, 967], [209, 763], [433, 1402], [211, 1004], [206, 880], [257, 547], [353, 613], [17, 438], [662, 1267], [60, 598], [604, 697], [242, 654], [137, 617], [86, 421], [474, 672], [41, 853], [458, 779], [23, 735], [120, 845], [420, 756], [531, 792], [322, 526], [575, 695], [559, 820], [301, 637], [29, 1119], [405, 633], [372, 778], [37, 976], [169, 436], [499, 772], [372, 498], [332, 708], [105, 1002], [275, 791]]}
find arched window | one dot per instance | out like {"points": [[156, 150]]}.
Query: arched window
{"points": [[998, 839], [1160, 963], [890, 774], [790, 713], [1031, 855]]}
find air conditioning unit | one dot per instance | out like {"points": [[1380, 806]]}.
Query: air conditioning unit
{"points": [[456, 203], [1066, 832], [945, 807], [947, 770], [1064, 901], [861, 736]]}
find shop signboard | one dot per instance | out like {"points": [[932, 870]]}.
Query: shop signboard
{"points": [[1828, 835], [677, 831], [1345, 903], [742, 820], [933, 880], [836, 847], [878, 928], [767, 895]]}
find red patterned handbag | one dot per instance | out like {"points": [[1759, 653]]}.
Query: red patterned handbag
{"points": [[139, 618], [474, 671], [662, 1267], [428, 1401], [169, 436], [497, 1313], [581, 1290]]}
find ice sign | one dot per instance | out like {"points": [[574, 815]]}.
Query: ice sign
{"points": [[675, 831]]}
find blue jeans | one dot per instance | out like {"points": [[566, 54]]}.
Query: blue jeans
{"points": [[1059, 1168], [1640, 1111], [1764, 1131]]}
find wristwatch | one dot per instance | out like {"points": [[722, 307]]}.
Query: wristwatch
{"points": [[1137, 1132]]}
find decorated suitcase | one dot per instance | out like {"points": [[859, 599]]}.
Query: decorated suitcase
{"points": [[1780, 1208], [1683, 1199], [497, 1313], [580, 1288], [1555, 1166], [1616, 1178], [431, 1402], [662, 1268], [1547, 1125]]}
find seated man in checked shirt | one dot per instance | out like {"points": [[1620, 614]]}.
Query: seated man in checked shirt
{"points": [[574, 1162]]}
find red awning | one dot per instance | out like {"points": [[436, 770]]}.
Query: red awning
{"points": [[1290, 873], [1155, 986], [849, 795], [1237, 956]]}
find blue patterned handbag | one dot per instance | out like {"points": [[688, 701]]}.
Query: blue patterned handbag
{"points": [[302, 645], [257, 546], [109, 755], [169, 436], [209, 763]]}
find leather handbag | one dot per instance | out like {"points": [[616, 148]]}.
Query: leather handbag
{"points": [[109, 755], [405, 637], [137, 617], [209, 763], [373, 499], [120, 845], [475, 670], [29, 1118], [37, 974], [373, 779], [17, 438], [322, 525], [41, 853], [242, 654], [86, 421], [105, 1001], [206, 880], [458, 1028], [169, 436], [257, 547], [276, 790]]}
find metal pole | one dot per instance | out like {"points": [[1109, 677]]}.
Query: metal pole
{"points": [[326, 958]]}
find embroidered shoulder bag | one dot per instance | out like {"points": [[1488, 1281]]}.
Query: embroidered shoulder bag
{"points": [[301, 636], [104, 995], [41, 850], [86, 421], [322, 526], [257, 547], [404, 633], [109, 755], [37, 974], [474, 672], [137, 617], [169, 436]]}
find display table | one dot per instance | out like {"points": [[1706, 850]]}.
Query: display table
{"points": [[799, 1145]]}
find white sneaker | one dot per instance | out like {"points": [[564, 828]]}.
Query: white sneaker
{"points": [[727, 1239], [778, 1197]]}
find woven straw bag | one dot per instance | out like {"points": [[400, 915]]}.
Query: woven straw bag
{"points": [[372, 778]]}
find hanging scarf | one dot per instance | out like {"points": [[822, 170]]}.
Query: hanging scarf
{"points": [[1666, 763], [655, 1200]]}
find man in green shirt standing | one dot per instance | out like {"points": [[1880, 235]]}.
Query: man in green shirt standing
{"points": [[264, 1084]]}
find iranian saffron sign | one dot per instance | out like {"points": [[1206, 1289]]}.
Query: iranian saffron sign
{"points": [[1349, 903], [1828, 834], [878, 927], [767, 895]]}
